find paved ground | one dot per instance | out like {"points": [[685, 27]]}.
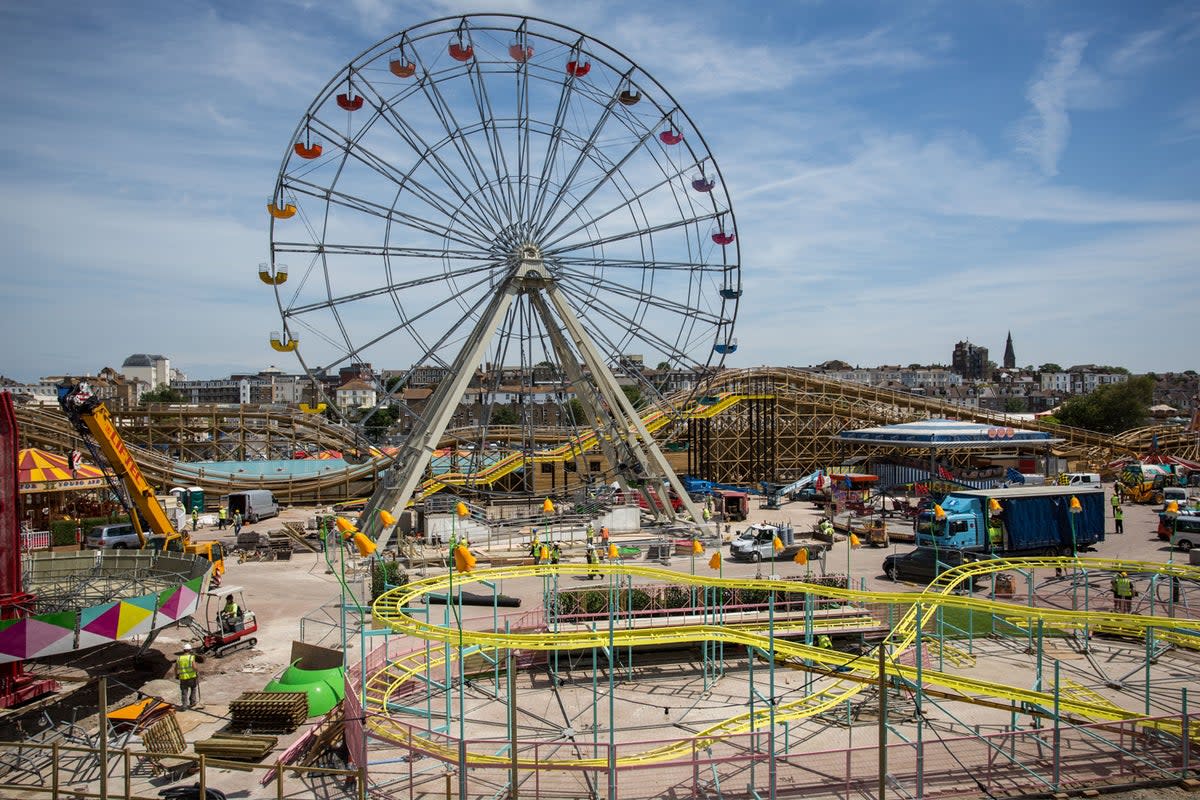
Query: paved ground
{"points": [[302, 593]]}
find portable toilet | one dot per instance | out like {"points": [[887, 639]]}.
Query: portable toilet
{"points": [[195, 499]]}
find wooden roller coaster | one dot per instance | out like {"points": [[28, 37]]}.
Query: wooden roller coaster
{"points": [[746, 426]]}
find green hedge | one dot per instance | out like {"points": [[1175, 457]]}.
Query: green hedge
{"points": [[62, 532], [673, 597], [386, 575]]}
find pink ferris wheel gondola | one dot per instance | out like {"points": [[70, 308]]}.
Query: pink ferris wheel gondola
{"points": [[519, 52], [671, 136], [721, 236], [703, 183]]}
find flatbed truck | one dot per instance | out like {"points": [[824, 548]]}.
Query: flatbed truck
{"points": [[1033, 520]]}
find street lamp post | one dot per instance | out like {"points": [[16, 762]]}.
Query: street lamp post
{"points": [[460, 556], [1073, 511], [1172, 513]]}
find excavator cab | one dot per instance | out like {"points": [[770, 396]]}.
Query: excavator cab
{"points": [[228, 626]]}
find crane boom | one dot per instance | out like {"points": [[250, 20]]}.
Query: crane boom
{"points": [[90, 417]]}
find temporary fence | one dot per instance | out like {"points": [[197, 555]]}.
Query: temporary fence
{"points": [[33, 769], [1040, 760]]}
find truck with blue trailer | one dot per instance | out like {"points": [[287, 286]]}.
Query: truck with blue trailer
{"points": [[1033, 520]]}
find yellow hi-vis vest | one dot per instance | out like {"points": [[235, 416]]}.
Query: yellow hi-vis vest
{"points": [[185, 667], [1122, 587]]}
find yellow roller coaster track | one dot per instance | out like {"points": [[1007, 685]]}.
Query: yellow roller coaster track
{"points": [[390, 609]]}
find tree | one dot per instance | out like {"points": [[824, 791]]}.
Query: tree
{"points": [[575, 415], [1050, 367], [1014, 405], [664, 366], [1110, 409], [379, 423], [504, 415], [164, 394], [634, 393]]}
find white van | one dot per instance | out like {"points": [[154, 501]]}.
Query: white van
{"points": [[1082, 477], [255, 504]]}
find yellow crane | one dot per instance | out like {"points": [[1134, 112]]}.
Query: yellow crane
{"points": [[90, 417]]}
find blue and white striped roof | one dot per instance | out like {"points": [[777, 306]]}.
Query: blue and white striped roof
{"points": [[947, 433]]}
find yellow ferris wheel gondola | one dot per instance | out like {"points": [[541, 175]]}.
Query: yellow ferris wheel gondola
{"points": [[272, 274], [317, 409], [287, 212], [280, 344]]}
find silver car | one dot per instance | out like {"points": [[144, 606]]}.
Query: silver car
{"points": [[119, 535]]}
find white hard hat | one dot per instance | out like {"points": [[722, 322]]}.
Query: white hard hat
{"points": [[187, 647]]}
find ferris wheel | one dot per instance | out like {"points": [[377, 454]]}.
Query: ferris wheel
{"points": [[512, 211]]}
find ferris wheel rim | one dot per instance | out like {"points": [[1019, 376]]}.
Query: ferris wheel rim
{"points": [[573, 254]]}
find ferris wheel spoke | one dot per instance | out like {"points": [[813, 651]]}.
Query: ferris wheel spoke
{"points": [[491, 133], [629, 201], [401, 179], [431, 155], [383, 250], [390, 288], [641, 296], [383, 212], [445, 114], [635, 232], [634, 264], [557, 132], [626, 324], [580, 160], [407, 323]]}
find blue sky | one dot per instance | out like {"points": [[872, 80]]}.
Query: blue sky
{"points": [[903, 175]]}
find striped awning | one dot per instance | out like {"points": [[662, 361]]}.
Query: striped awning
{"points": [[948, 434], [42, 471]]}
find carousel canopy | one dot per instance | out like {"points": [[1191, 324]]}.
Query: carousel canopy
{"points": [[43, 471], [947, 434]]}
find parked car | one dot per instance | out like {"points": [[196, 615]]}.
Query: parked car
{"points": [[921, 565], [120, 535], [1183, 523], [1186, 532]]}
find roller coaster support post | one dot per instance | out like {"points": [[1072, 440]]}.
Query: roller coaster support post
{"points": [[771, 770], [1149, 657], [1057, 740], [511, 674], [612, 686], [920, 710], [1186, 727], [883, 754]]}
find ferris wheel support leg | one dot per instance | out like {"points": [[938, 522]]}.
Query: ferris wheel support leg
{"points": [[640, 442], [419, 447], [584, 389]]}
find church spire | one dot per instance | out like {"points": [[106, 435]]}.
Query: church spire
{"points": [[1010, 358]]}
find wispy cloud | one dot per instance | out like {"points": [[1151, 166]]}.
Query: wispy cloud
{"points": [[1044, 132]]}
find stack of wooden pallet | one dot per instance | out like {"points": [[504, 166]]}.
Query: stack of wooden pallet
{"points": [[269, 711], [237, 747]]}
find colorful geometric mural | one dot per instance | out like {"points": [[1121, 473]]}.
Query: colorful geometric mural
{"points": [[64, 631]]}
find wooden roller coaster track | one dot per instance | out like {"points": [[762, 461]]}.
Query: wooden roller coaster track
{"points": [[747, 426]]}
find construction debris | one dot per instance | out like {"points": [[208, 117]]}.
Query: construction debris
{"points": [[164, 737], [237, 747], [269, 711], [297, 532]]}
